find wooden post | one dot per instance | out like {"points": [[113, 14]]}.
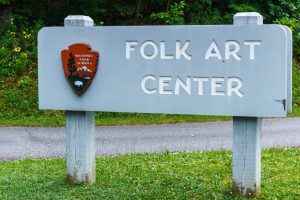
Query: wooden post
{"points": [[80, 127], [246, 159]]}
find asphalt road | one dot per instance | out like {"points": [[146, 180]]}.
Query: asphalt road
{"points": [[21, 142]]}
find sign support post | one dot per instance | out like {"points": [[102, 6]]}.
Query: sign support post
{"points": [[80, 127], [246, 159]]}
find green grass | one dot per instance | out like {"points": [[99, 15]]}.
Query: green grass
{"points": [[108, 119], [204, 175], [146, 119]]}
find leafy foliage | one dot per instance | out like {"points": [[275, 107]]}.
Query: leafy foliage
{"points": [[296, 89], [18, 47], [172, 16], [5, 2]]}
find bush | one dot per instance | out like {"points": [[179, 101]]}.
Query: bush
{"points": [[18, 52], [18, 68]]}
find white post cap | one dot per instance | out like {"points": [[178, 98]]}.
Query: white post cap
{"points": [[78, 20], [247, 18]]}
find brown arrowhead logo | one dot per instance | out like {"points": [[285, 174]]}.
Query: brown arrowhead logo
{"points": [[80, 66]]}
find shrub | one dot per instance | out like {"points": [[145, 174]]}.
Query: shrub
{"points": [[18, 52]]}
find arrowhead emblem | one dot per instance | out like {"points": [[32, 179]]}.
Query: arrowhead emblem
{"points": [[80, 66]]}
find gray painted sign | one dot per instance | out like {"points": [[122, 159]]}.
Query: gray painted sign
{"points": [[209, 70]]}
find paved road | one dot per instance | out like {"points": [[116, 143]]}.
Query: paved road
{"points": [[17, 143]]}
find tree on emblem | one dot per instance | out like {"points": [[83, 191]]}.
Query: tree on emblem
{"points": [[71, 64]]}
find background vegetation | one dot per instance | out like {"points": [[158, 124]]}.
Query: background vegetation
{"points": [[20, 20]]}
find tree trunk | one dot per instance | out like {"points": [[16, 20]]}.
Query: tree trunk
{"points": [[5, 14], [139, 9]]}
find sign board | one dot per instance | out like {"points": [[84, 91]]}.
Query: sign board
{"points": [[208, 70]]}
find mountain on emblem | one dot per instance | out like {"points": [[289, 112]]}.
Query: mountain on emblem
{"points": [[80, 66]]}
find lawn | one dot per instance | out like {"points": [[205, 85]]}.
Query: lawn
{"points": [[201, 175], [108, 119]]}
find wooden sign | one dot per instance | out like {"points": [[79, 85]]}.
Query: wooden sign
{"points": [[209, 70], [80, 66]]}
